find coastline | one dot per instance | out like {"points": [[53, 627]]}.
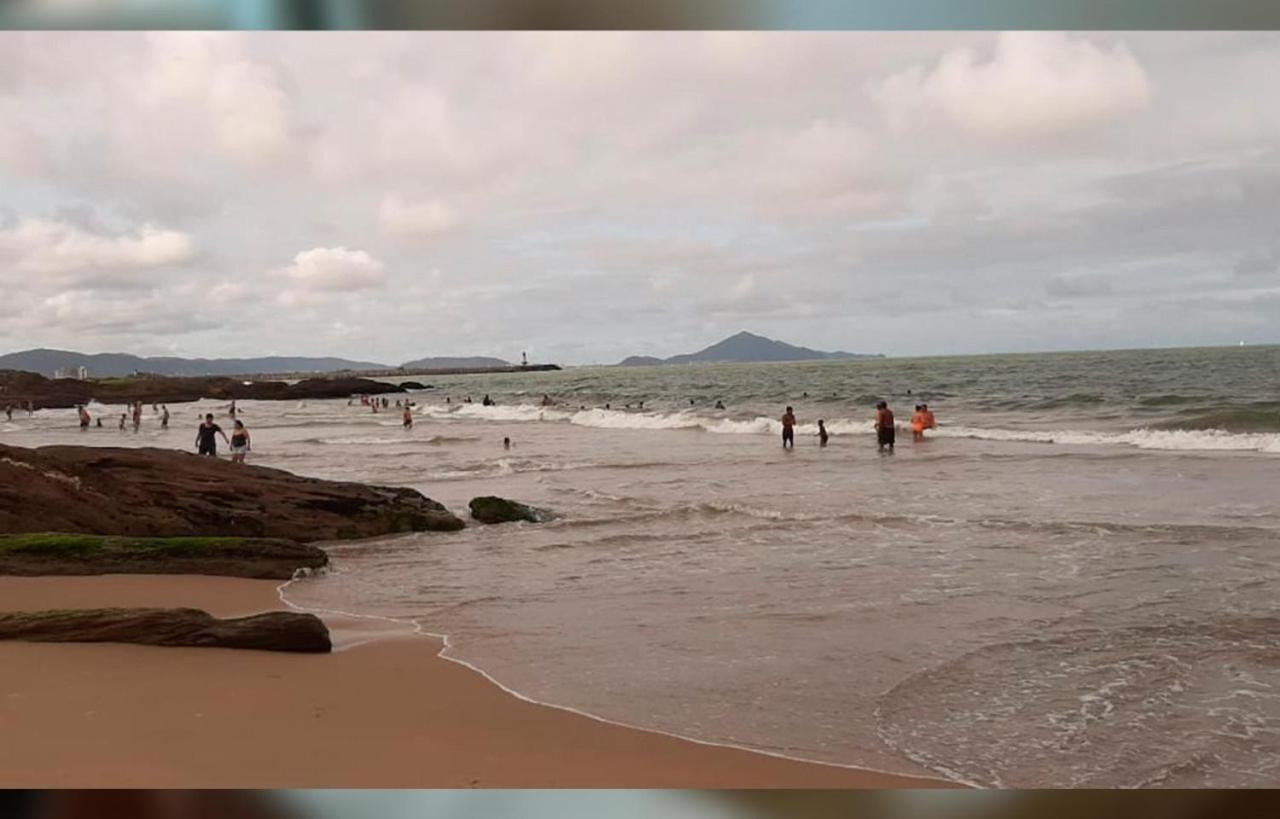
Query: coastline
{"points": [[376, 713]]}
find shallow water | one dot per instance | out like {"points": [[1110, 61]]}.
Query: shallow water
{"points": [[986, 605]]}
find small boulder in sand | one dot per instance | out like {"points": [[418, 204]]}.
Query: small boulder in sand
{"points": [[269, 631], [491, 509]]}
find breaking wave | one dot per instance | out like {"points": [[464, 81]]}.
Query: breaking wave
{"points": [[1207, 433]]}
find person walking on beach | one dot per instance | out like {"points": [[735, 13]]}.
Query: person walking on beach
{"points": [[239, 442], [788, 429], [81, 411], [164, 416], [822, 433], [407, 415], [206, 443], [884, 427]]}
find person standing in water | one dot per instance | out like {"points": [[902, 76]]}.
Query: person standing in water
{"points": [[83, 413], [788, 429], [206, 443], [917, 423], [124, 416], [164, 416], [506, 443], [884, 427], [407, 416], [929, 422], [239, 442], [137, 416], [822, 433]]}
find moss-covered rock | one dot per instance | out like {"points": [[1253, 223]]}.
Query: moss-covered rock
{"points": [[270, 631], [492, 509], [55, 553], [163, 493]]}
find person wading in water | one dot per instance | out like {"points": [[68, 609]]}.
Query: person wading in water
{"points": [[206, 443]]}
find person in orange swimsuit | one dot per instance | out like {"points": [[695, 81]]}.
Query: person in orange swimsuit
{"points": [[917, 423]]}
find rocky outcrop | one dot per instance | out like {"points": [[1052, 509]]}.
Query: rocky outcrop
{"points": [[79, 554], [491, 509], [163, 493], [271, 631], [17, 388]]}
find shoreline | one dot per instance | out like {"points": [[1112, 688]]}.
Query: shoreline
{"points": [[378, 712]]}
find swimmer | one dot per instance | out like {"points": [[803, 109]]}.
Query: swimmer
{"points": [[506, 443], [719, 405], [788, 429], [884, 427], [822, 433]]}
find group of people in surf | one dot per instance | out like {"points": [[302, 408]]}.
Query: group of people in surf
{"points": [[885, 428], [134, 412]]}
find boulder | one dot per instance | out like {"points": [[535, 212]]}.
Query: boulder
{"points": [[165, 493], [56, 553], [270, 631], [414, 385], [491, 509]]}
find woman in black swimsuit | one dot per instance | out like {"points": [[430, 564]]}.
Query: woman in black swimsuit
{"points": [[239, 442]]}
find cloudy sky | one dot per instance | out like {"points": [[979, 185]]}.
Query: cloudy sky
{"points": [[590, 196]]}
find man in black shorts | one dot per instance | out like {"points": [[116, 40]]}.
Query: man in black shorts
{"points": [[206, 443], [788, 429], [884, 427]]}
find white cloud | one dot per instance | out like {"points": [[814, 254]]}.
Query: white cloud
{"points": [[1033, 84], [335, 269], [54, 247], [400, 218], [243, 99]]}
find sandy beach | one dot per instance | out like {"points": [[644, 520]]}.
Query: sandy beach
{"points": [[385, 713]]}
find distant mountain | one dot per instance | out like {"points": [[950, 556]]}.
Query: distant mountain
{"points": [[101, 365], [640, 361], [457, 362], [746, 347]]}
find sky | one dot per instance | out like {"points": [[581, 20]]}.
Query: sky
{"points": [[589, 196]]}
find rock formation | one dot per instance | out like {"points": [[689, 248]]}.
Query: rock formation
{"points": [[270, 631]]}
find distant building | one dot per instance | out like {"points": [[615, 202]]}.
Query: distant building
{"points": [[78, 374], [82, 373]]}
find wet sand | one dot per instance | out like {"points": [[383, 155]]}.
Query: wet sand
{"points": [[383, 713]]}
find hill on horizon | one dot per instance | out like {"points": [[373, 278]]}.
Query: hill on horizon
{"points": [[100, 365], [745, 347], [106, 365]]}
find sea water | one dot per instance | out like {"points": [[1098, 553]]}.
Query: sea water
{"points": [[1072, 582]]}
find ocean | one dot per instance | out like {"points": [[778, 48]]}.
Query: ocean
{"points": [[1071, 582]]}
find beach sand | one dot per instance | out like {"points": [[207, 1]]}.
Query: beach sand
{"points": [[384, 713]]}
